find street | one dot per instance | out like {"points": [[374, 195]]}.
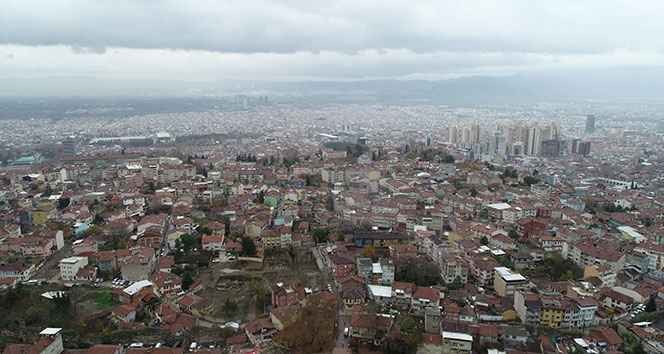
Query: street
{"points": [[50, 270]]}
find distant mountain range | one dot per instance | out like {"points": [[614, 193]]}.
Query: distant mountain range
{"points": [[624, 83]]}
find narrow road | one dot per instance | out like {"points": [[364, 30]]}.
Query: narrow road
{"points": [[51, 268]]}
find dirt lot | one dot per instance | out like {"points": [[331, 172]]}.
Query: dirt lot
{"points": [[240, 291]]}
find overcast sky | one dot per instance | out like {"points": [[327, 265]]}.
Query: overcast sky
{"points": [[304, 39]]}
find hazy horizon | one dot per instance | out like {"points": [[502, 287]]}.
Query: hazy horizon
{"points": [[76, 47]]}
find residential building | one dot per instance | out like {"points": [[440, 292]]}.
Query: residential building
{"points": [[457, 343], [69, 267], [505, 282]]}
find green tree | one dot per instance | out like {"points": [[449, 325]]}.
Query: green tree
{"points": [[418, 271], [410, 336], [230, 307], [187, 280], [509, 172], [321, 235], [260, 197], [248, 247], [557, 268], [530, 180], [456, 284], [186, 244], [473, 192], [484, 240], [651, 305], [513, 234], [63, 203]]}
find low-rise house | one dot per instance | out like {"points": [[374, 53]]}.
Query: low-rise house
{"points": [[166, 263], [184, 224], [454, 269], [550, 243], [424, 297], [87, 273], [286, 295], [614, 299], [107, 260], [343, 266], [260, 331], [124, 313], [19, 271], [158, 220], [595, 253], [353, 291], [216, 228], [136, 291], [502, 241], [528, 306], [607, 338], [138, 264], [83, 246], [370, 328], [49, 342], [534, 310], [364, 267], [167, 284], [212, 243], [380, 294], [402, 294], [515, 336], [482, 269], [457, 343], [33, 246], [195, 305]]}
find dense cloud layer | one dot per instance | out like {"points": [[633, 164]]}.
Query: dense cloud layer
{"points": [[206, 40], [259, 26]]}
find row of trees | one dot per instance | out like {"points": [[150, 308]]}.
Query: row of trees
{"points": [[436, 155], [418, 271]]}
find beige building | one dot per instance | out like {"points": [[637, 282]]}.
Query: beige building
{"points": [[505, 282]]}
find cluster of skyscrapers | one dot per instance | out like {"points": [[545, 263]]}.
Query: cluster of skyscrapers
{"points": [[515, 139]]}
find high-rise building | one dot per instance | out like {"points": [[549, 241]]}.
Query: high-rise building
{"points": [[501, 145], [465, 135], [590, 123], [534, 141], [575, 145], [551, 148], [475, 133], [69, 146], [517, 148], [452, 137], [584, 148]]}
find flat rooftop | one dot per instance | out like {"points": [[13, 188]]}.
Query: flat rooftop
{"points": [[508, 276]]}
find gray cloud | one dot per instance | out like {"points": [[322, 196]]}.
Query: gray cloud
{"points": [[212, 40], [88, 50], [262, 26]]}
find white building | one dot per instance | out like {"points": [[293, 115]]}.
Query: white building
{"points": [[69, 267], [454, 342]]}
